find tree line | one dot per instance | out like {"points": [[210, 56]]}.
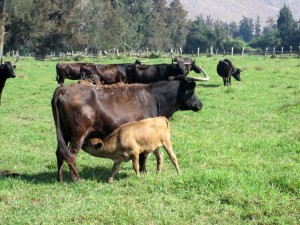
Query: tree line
{"points": [[41, 27]]}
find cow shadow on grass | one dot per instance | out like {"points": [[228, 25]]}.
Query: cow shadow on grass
{"points": [[208, 85], [99, 174]]}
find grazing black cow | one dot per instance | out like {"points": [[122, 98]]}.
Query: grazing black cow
{"points": [[159, 72], [68, 70], [106, 74], [225, 69], [81, 112], [6, 71]]}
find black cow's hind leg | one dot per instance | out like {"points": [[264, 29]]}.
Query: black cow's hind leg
{"points": [[60, 165]]}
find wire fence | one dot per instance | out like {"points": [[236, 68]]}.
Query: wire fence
{"points": [[115, 53]]}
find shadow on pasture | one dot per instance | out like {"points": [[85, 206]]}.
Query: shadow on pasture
{"points": [[208, 85], [99, 174]]}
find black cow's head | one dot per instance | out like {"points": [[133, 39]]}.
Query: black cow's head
{"points": [[7, 69], [179, 67], [191, 65], [236, 74], [187, 98]]}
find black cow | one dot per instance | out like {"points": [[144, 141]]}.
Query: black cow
{"points": [[6, 71], [68, 70], [226, 69], [81, 112], [106, 74], [159, 72], [190, 65]]}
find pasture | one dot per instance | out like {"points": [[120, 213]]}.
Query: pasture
{"points": [[239, 155]]}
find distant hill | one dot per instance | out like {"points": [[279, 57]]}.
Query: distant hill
{"points": [[234, 10]]}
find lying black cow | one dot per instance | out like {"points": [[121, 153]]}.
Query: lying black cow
{"points": [[6, 71], [159, 72], [97, 111], [68, 70], [106, 74], [226, 69]]}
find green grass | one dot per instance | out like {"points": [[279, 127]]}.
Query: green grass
{"points": [[239, 155]]}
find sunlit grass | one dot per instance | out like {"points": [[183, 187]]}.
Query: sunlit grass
{"points": [[239, 155]]}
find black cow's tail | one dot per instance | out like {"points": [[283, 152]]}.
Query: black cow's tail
{"points": [[62, 146], [57, 74]]}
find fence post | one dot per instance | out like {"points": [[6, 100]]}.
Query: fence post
{"points": [[266, 51], [232, 51], [291, 48], [281, 50], [299, 51], [211, 50], [243, 49], [274, 50], [198, 52], [217, 50]]}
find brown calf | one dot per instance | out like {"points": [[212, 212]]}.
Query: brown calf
{"points": [[132, 139]]}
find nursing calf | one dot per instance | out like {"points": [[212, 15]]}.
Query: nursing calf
{"points": [[130, 140]]}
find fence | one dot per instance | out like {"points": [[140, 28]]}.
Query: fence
{"points": [[148, 54]]}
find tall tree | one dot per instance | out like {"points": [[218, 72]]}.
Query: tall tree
{"points": [[18, 26], [2, 23], [285, 25], [246, 28], [157, 36], [199, 36], [233, 30], [257, 26], [177, 24]]}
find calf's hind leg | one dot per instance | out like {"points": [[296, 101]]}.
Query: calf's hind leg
{"points": [[159, 159], [168, 147]]}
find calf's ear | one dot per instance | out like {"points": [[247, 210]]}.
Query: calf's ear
{"points": [[99, 145]]}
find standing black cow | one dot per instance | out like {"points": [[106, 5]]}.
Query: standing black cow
{"points": [[6, 71], [225, 69], [81, 112]]}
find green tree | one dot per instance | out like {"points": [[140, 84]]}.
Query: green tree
{"points": [[219, 31], [157, 36], [285, 25], [198, 36], [257, 26], [246, 28], [177, 24]]}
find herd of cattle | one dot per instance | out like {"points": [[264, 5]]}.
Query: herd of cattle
{"points": [[107, 112]]}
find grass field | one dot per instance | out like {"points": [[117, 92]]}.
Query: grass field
{"points": [[239, 155]]}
